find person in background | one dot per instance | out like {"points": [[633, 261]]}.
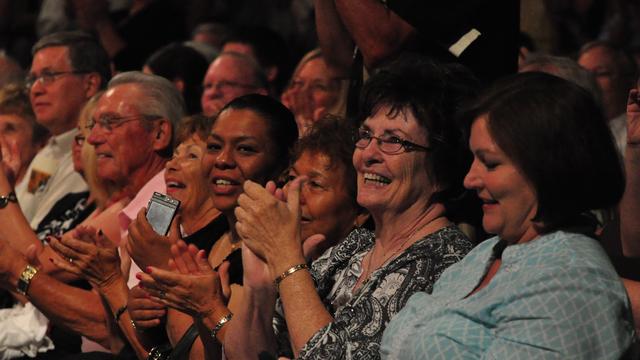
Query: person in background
{"points": [[543, 287], [615, 73], [21, 136], [315, 90], [68, 68], [268, 48], [229, 76], [183, 66]]}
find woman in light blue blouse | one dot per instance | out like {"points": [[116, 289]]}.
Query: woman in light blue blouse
{"points": [[543, 287]]}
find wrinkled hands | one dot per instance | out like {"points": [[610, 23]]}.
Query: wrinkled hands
{"points": [[144, 311], [10, 160], [192, 287], [89, 254], [270, 227]]}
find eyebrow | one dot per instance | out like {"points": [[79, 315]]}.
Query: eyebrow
{"points": [[236, 139], [392, 131]]}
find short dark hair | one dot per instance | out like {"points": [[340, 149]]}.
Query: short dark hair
{"points": [[433, 92], [283, 130], [85, 52], [179, 61], [332, 136], [556, 134]]}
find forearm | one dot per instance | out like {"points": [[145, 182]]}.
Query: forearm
{"points": [[115, 296], [250, 332], [304, 311], [630, 203], [14, 227], [69, 307], [379, 32], [334, 39]]}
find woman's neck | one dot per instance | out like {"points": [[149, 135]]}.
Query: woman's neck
{"points": [[198, 218], [410, 225]]}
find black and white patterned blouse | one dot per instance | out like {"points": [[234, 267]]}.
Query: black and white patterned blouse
{"points": [[360, 318]]}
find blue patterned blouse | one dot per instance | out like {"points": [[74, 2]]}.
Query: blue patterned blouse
{"points": [[556, 297]]}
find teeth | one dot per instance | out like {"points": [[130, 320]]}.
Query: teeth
{"points": [[223, 182], [174, 184], [380, 180]]}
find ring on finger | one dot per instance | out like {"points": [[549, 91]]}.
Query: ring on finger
{"points": [[71, 260], [162, 294]]}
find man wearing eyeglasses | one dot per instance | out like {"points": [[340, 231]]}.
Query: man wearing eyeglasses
{"points": [[229, 76], [68, 68]]}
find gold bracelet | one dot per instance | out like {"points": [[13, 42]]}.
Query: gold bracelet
{"points": [[288, 272]]}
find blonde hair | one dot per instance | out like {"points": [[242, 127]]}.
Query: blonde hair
{"points": [[339, 107], [101, 191]]}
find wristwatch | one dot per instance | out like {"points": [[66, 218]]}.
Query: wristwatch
{"points": [[25, 279], [4, 200]]}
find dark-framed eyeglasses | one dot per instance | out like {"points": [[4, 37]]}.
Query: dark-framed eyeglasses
{"points": [[110, 122], [387, 143], [48, 77], [79, 139]]}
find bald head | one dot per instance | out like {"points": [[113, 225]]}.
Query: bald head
{"points": [[229, 76]]}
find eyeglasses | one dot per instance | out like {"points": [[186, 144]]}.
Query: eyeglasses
{"points": [[79, 139], [48, 77], [226, 85], [388, 144], [110, 122]]}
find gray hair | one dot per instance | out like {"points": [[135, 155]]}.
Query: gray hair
{"points": [[162, 98], [565, 68], [85, 52]]}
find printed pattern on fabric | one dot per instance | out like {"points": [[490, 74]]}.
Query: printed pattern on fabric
{"points": [[361, 317], [556, 297]]}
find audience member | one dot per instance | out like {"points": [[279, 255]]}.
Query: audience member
{"points": [[183, 66], [229, 76], [338, 307], [315, 90], [615, 73], [250, 140], [68, 68], [541, 146], [131, 130], [21, 136], [268, 48]]}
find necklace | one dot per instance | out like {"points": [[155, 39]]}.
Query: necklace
{"points": [[386, 258]]}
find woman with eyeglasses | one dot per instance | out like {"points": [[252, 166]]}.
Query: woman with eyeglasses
{"points": [[542, 288], [409, 165]]}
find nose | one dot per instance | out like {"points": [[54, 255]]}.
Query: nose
{"points": [[172, 164], [225, 159], [36, 88], [96, 136], [371, 153], [472, 180]]}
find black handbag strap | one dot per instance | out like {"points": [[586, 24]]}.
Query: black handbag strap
{"points": [[185, 343]]}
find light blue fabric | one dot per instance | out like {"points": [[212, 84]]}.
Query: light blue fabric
{"points": [[554, 297]]}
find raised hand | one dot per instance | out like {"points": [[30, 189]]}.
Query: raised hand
{"points": [[89, 254], [269, 227], [146, 247], [192, 286], [633, 118]]}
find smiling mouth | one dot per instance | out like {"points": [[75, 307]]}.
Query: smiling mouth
{"points": [[376, 179]]}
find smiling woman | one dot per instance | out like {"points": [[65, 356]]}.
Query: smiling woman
{"points": [[338, 307], [543, 287]]}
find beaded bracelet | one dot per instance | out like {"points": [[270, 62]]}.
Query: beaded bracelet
{"points": [[225, 319], [289, 272]]}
